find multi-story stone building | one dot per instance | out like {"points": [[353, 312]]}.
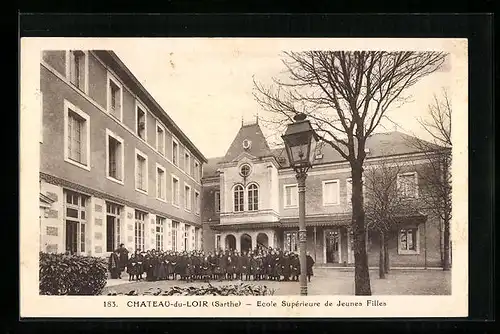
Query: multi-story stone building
{"points": [[250, 198], [114, 167]]}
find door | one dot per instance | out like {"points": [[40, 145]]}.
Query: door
{"points": [[110, 233], [72, 236], [332, 246]]}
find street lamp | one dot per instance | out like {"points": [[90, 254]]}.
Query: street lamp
{"points": [[300, 143]]}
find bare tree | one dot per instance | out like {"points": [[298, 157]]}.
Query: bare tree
{"points": [[345, 95], [437, 176], [385, 205]]}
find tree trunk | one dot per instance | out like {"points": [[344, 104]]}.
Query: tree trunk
{"points": [[387, 265], [446, 262], [381, 259], [361, 273]]}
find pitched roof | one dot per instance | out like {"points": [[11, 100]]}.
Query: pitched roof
{"points": [[379, 144], [258, 147]]}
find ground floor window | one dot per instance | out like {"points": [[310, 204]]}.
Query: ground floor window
{"points": [[139, 231], [113, 222], [217, 242], [290, 241], [186, 238], [408, 240], [175, 230], [75, 216], [160, 224]]}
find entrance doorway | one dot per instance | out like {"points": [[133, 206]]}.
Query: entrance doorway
{"points": [[230, 242], [332, 246], [262, 240], [246, 243]]}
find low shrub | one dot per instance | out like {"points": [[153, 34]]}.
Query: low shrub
{"points": [[62, 274], [209, 290]]}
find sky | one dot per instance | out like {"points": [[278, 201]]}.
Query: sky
{"points": [[205, 85]]}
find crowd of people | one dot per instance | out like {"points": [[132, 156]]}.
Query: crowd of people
{"points": [[258, 264]]}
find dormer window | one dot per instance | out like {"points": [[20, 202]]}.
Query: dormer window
{"points": [[245, 170]]}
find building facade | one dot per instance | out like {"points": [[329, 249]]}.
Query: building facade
{"points": [[114, 167], [250, 199]]}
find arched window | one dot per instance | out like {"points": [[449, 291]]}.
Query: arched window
{"points": [[253, 197], [238, 198]]}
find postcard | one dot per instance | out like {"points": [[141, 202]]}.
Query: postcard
{"points": [[243, 177]]}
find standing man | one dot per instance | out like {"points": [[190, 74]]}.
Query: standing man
{"points": [[309, 265], [114, 265], [123, 257]]}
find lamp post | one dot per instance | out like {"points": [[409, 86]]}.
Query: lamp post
{"points": [[300, 143]]}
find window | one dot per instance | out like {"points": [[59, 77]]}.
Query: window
{"points": [[175, 191], [161, 193], [175, 231], [409, 241], [197, 202], [217, 201], [75, 217], [139, 231], [331, 192], [349, 189], [175, 152], [113, 222], [291, 195], [160, 224], [253, 197], [141, 171], [77, 69], [115, 97], [187, 197], [197, 173], [290, 241], [245, 170], [187, 163], [160, 139], [141, 122], [186, 237], [408, 185], [76, 136], [238, 198], [217, 242], [41, 117], [114, 156]]}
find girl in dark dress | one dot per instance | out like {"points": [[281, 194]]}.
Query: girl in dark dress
{"points": [[132, 268]]}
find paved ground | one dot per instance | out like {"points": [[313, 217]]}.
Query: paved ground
{"points": [[327, 282]]}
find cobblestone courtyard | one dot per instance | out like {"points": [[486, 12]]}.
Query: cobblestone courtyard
{"points": [[325, 282]]}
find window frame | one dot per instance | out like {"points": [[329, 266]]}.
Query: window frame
{"points": [[248, 197], [217, 243], [112, 78], [175, 163], [142, 106], [417, 240], [86, 69], [109, 133], [190, 208], [196, 170], [187, 161], [197, 202], [80, 221], [242, 204], [67, 107], [216, 202], [145, 176], [324, 183], [160, 234], [174, 177], [290, 185], [164, 183], [175, 235], [159, 125], [142, 237]]}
